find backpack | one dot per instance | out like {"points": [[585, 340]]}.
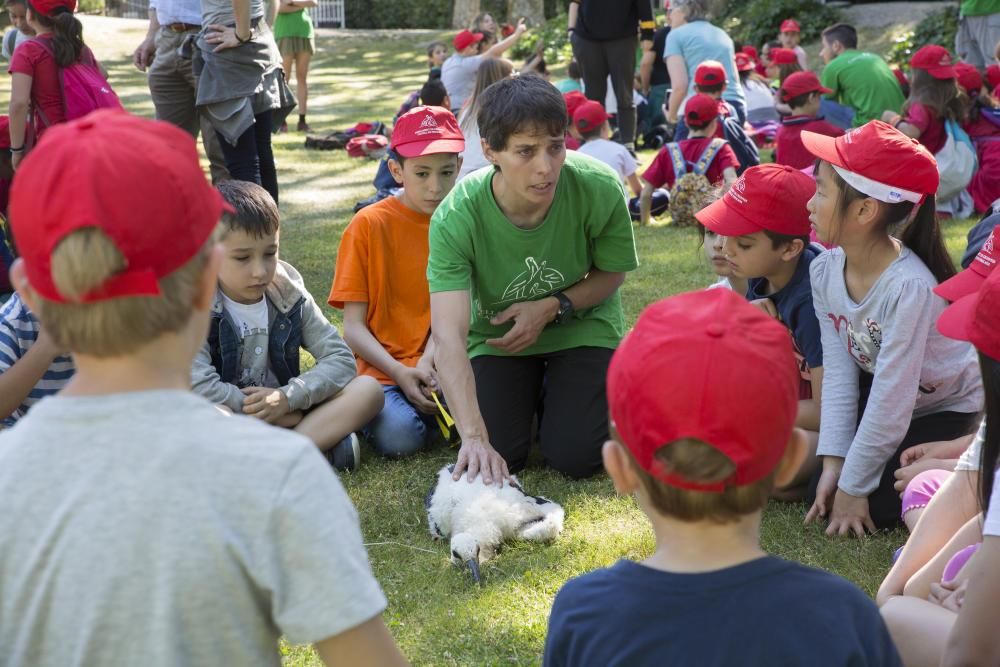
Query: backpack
{"points": [[374, 146], [956, 162], [691, 191], [82, 87]]}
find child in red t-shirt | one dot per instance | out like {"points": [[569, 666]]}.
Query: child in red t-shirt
{"points": [[802, 92], [933, 99], [982, 127], [701, 113]]}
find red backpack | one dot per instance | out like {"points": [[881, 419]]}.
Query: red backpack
{"points": [[82, 86]]}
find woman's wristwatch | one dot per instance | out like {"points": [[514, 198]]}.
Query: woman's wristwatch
{"points": [[565, 308]]}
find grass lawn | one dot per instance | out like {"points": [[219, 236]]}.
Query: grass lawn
{"points": [[436, 615]]}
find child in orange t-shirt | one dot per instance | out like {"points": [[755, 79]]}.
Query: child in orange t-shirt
{"points": [[381, 279]]}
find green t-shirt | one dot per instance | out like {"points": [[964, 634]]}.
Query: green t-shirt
{"points": [[979, 7], [864, 82], [293, 24], [473, 246]]}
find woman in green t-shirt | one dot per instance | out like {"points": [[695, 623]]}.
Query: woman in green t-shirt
{"points": [[293, 30]]}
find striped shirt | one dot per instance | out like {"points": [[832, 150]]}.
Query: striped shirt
{"points": [[18, 332]]}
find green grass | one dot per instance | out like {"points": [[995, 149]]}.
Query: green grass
{"points": [[435, 614]]}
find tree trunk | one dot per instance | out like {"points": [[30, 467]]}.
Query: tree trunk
{"points": [[465, 11], [532, 10]]}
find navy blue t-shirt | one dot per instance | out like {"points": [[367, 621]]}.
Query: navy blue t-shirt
{"points": [[794, 303], [765, 612]]}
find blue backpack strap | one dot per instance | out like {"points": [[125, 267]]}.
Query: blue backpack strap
{"points": [[677, 158], [707, 155]]}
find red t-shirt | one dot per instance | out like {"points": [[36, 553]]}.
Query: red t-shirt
{"points": [[789, 148], [932, 133], [661, 172], [34, 59]]}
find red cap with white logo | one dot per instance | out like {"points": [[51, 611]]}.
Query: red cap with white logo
{"points": [[769, 196], [976, 318], [971, 279], [427, 130], [935, 60], [879, 161]]}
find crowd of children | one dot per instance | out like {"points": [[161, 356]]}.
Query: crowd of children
{"points": [[498, 299]]}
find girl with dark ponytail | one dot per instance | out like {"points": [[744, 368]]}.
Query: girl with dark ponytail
{"points": [[890, 380], [35, 67]]}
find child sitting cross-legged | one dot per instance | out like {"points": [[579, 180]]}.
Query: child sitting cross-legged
{"points": [[380, 280], [701, 464], [764, 220], [802, 92], [591, 121], [262, 315], [702, 153]]}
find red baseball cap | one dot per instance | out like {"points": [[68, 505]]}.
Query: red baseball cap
{"points": [[700, 109], [46, 7], [573, 100], [993, 76], [744, 63], [801, 83], [781, 56], [589, 116], [750, 51], [968, 78], [935, 60], [709, 366], [138, 181], [4, 132], [769, 196], [971, 279], [880, 161], [425, 131], [976, 318], [790, 25], [466, 38], [710, 73]]}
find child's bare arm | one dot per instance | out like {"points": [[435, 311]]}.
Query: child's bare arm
{"points": [[17, 381], [729, 177], [501, 47], [645, 202], [366, 346], [634, 184], [973, 640], [368, 644], [808, 417]]}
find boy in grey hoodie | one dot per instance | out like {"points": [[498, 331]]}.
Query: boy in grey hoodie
{"points": [[262, 316]]}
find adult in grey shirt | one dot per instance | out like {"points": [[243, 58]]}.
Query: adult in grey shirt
{"points": [[890, 380], [172, 83]]}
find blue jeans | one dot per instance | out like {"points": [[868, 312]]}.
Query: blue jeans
{"points": [[399, 430], [839, 114]]}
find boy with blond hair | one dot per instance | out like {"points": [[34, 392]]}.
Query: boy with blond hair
{"points": [[139, 520], [701, 462], [380, 280], [262, 315]]}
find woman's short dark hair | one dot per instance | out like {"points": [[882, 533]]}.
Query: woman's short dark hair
{"points": [[843, 33], [523, 102]]}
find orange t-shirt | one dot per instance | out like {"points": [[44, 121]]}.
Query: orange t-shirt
{"points": [[382, 261]]}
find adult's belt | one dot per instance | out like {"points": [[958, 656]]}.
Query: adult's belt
{"points": [[182, 27]]}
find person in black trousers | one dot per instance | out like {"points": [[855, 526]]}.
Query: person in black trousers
{"points": [[603, 35]]}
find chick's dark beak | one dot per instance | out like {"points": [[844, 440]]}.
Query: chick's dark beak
{"points": [[474, 569]]}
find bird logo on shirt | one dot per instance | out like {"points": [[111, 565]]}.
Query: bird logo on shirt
{"points": [[538, 280]]}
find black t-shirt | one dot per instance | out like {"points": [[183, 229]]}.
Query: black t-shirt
{"points": [[660, 75], [605, 20], [765, 612]]}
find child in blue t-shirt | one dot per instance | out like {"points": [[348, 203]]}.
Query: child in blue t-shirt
{"points": [[701, 462], [772, 252]]}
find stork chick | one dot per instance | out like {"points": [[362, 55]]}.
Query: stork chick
{"points": [[478, 517]]}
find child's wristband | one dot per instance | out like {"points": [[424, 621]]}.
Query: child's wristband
{"points": [[17, 150]]}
